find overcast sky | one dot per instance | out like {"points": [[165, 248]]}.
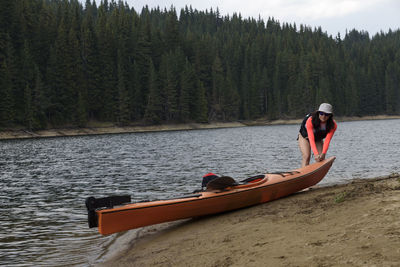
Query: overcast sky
{"points": [[332, 15]]}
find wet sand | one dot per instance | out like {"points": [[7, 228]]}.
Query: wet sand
{"points": [[355, 224]]}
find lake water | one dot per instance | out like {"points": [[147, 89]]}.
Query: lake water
{"points": [[44, 182]]}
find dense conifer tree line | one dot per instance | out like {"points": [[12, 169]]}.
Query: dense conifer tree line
{"points": [[66, 63]]}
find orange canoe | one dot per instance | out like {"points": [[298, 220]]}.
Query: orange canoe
{"points": [[134, 215]]}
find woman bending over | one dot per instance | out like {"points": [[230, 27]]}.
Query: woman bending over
{"points": [[316, 127]]}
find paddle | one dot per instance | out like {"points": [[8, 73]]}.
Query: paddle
{"points": [[221, 183]]}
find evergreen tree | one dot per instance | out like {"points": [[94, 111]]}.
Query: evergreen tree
{"points": [[6, 100], [351, 96], [153, 112], [38, 102], [28, 107], [201, 103], [107, 60], [172, 36], [76, 93], [91, 68], [187, 90], [230, 99], [169, 74], [58, 72], [392, 88], [143, 62], [218, 80], [28, 69], [123, 100]]}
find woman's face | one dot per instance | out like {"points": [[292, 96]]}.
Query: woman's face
{"points": [[323, 117]]}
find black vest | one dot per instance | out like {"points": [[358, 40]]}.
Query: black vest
{"points": [[319, 134]]}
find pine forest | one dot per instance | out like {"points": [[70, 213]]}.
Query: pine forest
{"points": [[67, 63]]}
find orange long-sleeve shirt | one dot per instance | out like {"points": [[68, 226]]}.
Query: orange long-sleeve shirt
{"points": [[311, 138]]}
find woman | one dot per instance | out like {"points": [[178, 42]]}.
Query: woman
{"points": [[316, 127]]}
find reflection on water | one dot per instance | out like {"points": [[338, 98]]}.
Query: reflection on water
{"points": [[44, 182]]}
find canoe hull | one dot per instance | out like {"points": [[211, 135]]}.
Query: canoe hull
{"points": [[272, 187]]}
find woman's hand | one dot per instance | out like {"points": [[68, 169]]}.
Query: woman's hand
{"points": [[320, 157]]}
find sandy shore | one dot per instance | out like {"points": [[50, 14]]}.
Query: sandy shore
{"points": [[108, 128], [356, 224], [96, 130]]}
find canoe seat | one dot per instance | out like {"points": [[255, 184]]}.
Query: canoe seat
{"points": [[221, 183]]}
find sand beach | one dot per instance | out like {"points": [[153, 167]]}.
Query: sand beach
{"points": [[354, 224]]}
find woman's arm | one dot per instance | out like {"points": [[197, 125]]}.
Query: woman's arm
{"points": [[311, 138], [328, 138]]}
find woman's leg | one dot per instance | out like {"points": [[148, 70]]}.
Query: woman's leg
{"points": [[305, 149]]}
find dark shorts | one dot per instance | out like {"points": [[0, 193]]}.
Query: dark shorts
{"points": [[303, 137]]}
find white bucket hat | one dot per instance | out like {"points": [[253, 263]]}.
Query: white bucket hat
{"points": [[325, 107]]}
